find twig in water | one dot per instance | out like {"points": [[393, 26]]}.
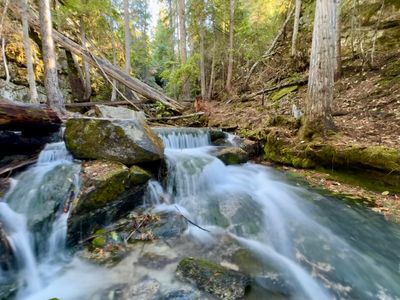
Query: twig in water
{"points": [[194, 224]]}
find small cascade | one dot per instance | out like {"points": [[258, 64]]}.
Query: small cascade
{"points": [[274, 220], [184, 138], [34, 215]]}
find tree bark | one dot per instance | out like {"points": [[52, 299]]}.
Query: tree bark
{"points": [[202, 65], [3, 54], [322, 69], [182, 45], [212, 74], [54, 96], [296, 27], [32, 118], [228, 85], [86, 70], [127, 38], [338, 44], [28, 53], [115, 63]]}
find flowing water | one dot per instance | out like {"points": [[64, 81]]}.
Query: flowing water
{"points": [[313, 245]]}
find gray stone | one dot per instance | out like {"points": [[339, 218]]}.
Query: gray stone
{"points": [[232, 155]]}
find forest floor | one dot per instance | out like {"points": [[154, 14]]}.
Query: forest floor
{"points": [[367, 113]]}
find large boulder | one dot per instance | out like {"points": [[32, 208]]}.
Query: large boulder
{"points": [[109, 190], [125, 141], [212, 278], [110, 112]]}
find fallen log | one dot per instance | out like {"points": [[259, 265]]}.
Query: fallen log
{"points": [[37, 119], [274, 88], [9, 169], [105, 66], [92, 104], [176, 117]]}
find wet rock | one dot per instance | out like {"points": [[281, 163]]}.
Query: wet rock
{"points": [[56, 189], [155, 261], [213, 278], [109, 190], [125, 141], [184, 294], [232, 155], [7, 259], [5, 184], [170, 225], [104, 111], [217, 135]]}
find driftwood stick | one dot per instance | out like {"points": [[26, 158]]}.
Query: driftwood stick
{"points": [[191, 222]]}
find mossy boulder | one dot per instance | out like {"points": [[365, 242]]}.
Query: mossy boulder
{"points": [[232, 155], [212, 278], [125, 141], [109, 190]]}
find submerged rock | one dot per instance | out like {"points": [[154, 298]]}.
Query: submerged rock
{"points": [[109, 190], [232, 155], [213, 278], [125, 141], [7, 259]]}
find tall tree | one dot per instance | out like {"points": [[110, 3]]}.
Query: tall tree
{"points": [[86, 70], [127, 32], [28, 53], [228, 85], [182, 45], [296, 27], [53, 93], [322, 69], [338, 44]]}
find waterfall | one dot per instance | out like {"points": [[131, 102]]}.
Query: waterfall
{"points": [[272, 219], [34, 217], [184, 138]]}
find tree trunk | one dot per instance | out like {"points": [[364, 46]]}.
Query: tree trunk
{"points": [[182, 45], [86, 70], [27, 48], [75, 76], [228, 85], [338, 45], [322, 69], [114, 56], [36, 119], [296, 27], [202, 65], [3, 54], [171, 27], [54, 96], [127, 38], [212, 74]]}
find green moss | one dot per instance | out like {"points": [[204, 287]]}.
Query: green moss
{"points": [[138, 176], [99, 242], [279, 94]]}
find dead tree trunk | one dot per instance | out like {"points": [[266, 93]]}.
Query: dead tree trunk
{"points": [[322, 68], [28, 53], [296, 27], [86, 70], [228, 85], [182, 45], [202, 65], [54, 96]]}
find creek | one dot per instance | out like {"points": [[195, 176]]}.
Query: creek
{"points": [[296, 243]]}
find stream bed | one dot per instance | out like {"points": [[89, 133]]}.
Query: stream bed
{"points": [[295, 243]]}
